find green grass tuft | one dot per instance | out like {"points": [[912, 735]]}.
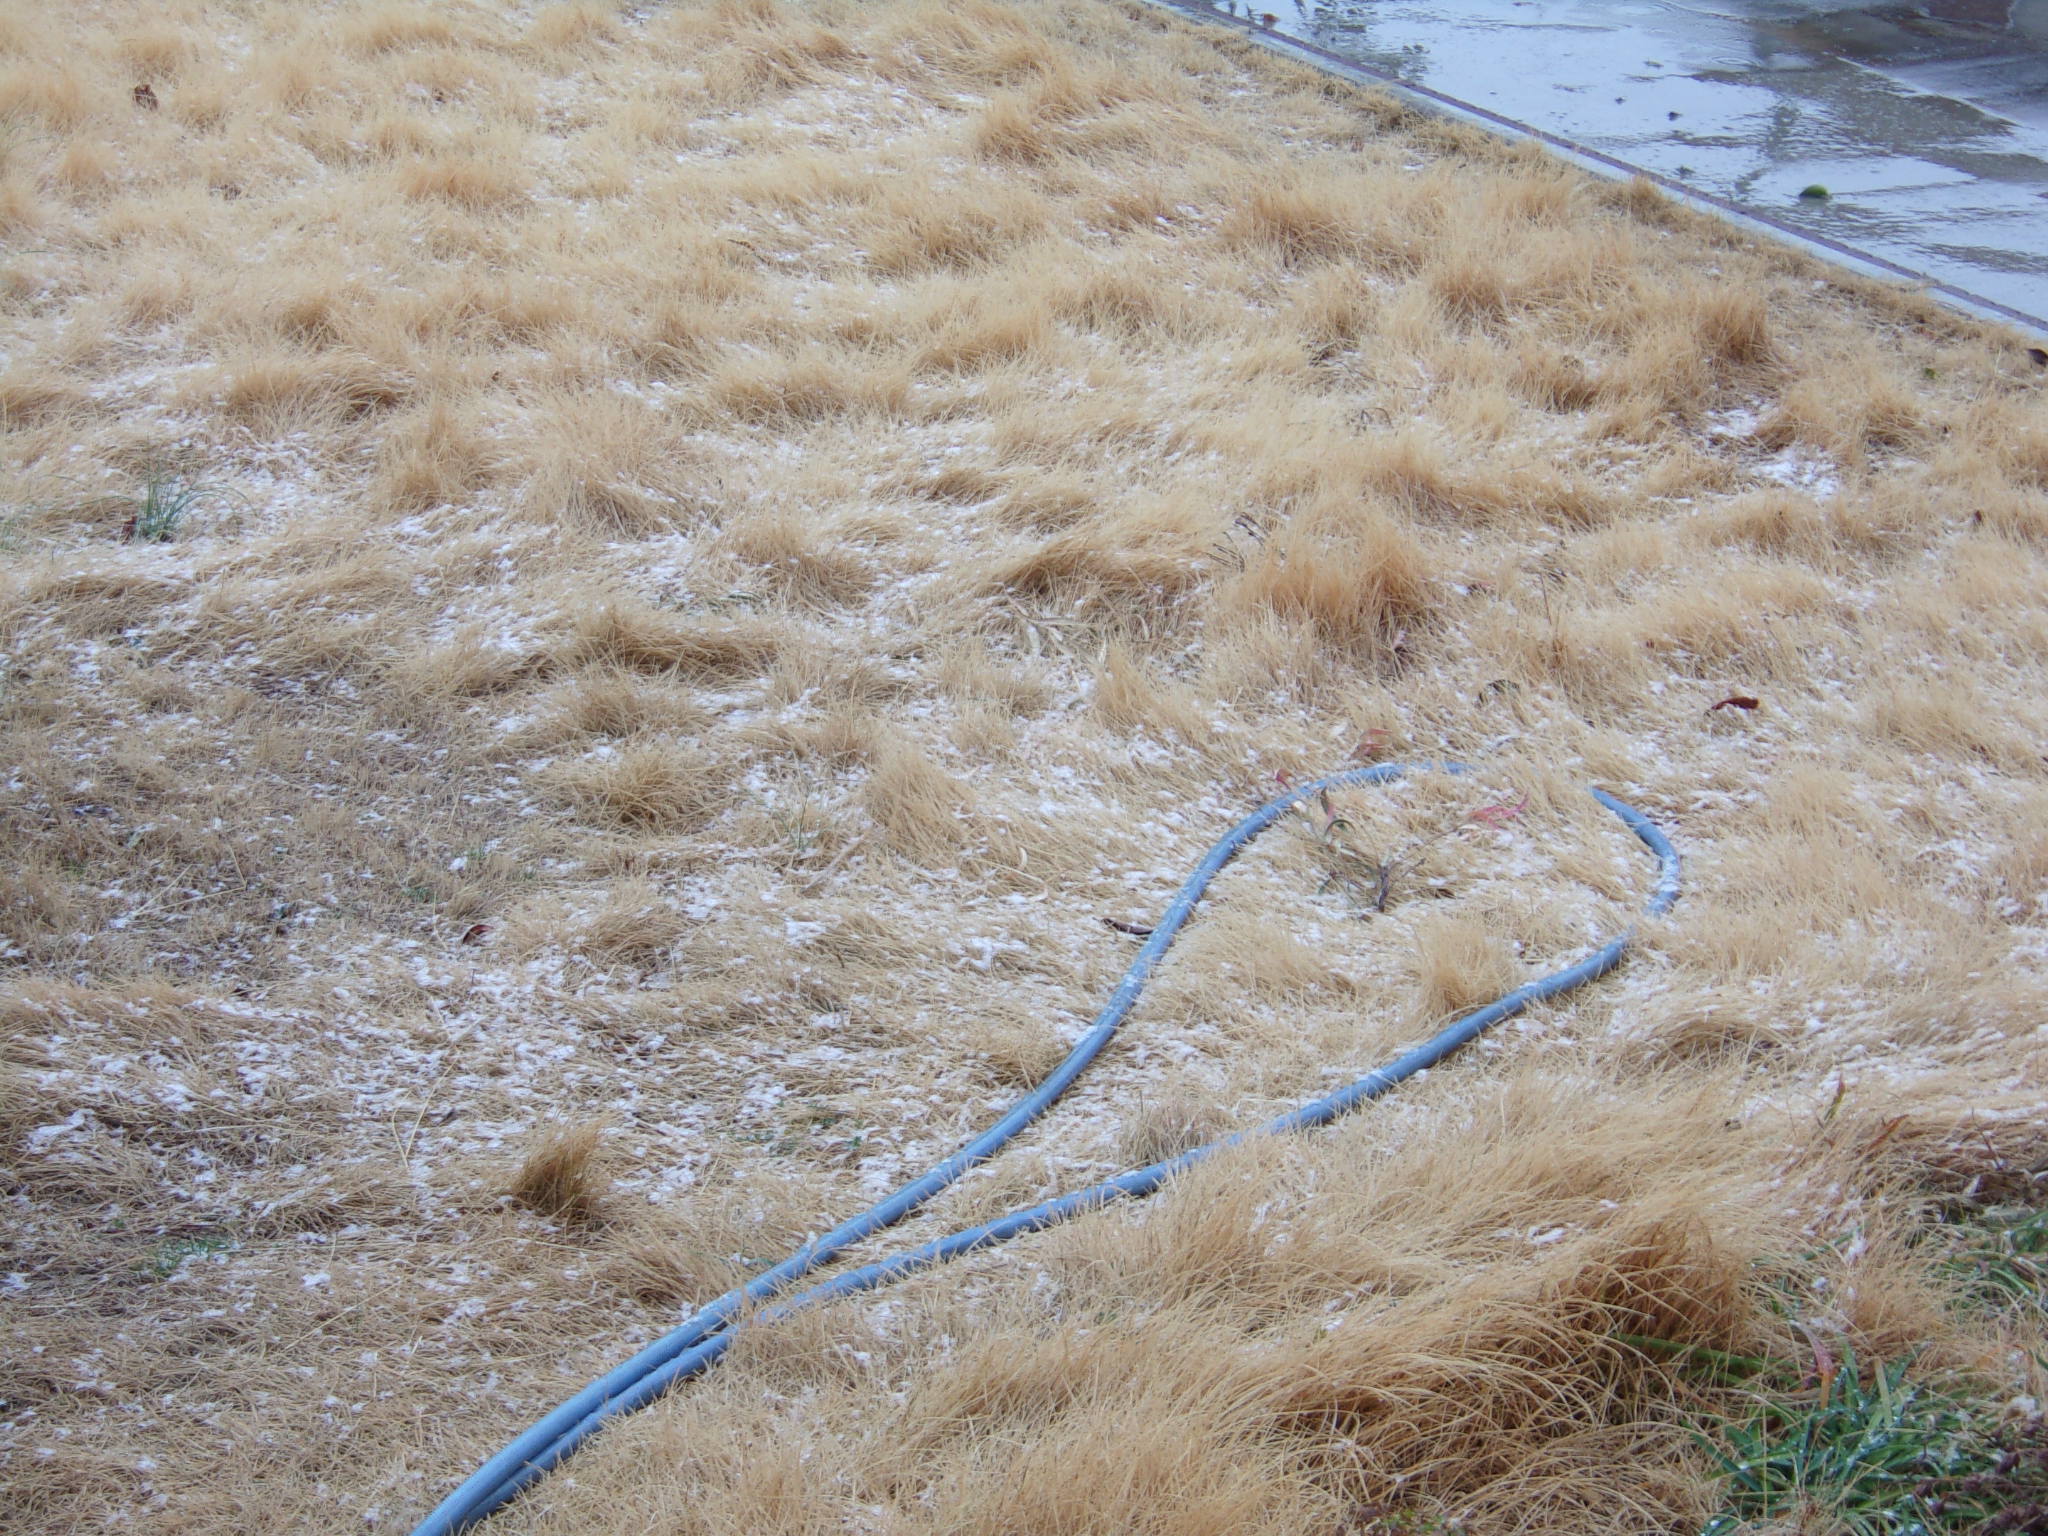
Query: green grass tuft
{"points": [[167, 499]]}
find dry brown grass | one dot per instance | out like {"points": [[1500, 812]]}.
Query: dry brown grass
{"points": [[560, 1177], [727, 538]]}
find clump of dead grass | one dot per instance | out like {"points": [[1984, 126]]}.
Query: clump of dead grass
{"points": [[562, 1176], [920, 229], [634, 927], [781, 393], [603, 702], [635, 637], [646, 787], [474, 180], [1176, 1119], [918, 805], [1346, 570], [607, 464], [1459, 966], [1299, 220]]}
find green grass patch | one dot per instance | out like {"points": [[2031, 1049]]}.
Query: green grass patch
{"points": [[1879, 1457], [1827, 1444], [1998, 1259], [164, 1259]]}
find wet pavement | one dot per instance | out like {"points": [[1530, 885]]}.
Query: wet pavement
{"points": [[1925, 123]]}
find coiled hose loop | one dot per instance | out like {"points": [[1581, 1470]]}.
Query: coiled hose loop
{"points": [[699, 1342]]}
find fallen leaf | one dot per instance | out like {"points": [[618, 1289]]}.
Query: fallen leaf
{"points": [[1135, 930], [1500, 815], [475, 933], [1736, 701], [1825, 1364], [145, 98]]}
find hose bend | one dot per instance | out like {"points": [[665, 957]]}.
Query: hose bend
{"points": [[700, 1341]]}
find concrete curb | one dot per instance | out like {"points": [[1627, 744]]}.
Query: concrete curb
{"points": [[1436, 103]]}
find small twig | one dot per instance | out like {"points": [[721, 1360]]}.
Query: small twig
{"points": [[817, 882], [412, 1135], [1835, 1104]]}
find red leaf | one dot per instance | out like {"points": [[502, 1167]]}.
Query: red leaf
{"points": [[1500, 815], [1736, 701], [1369, 745], [475, 933]]}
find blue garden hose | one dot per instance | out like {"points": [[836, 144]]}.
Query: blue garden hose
{"points": [[700, 1341]]}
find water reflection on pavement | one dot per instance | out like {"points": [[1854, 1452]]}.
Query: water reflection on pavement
{"points": [[1926, 123]]}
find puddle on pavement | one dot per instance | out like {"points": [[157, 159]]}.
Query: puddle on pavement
{"points": [[1927, 123]]}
